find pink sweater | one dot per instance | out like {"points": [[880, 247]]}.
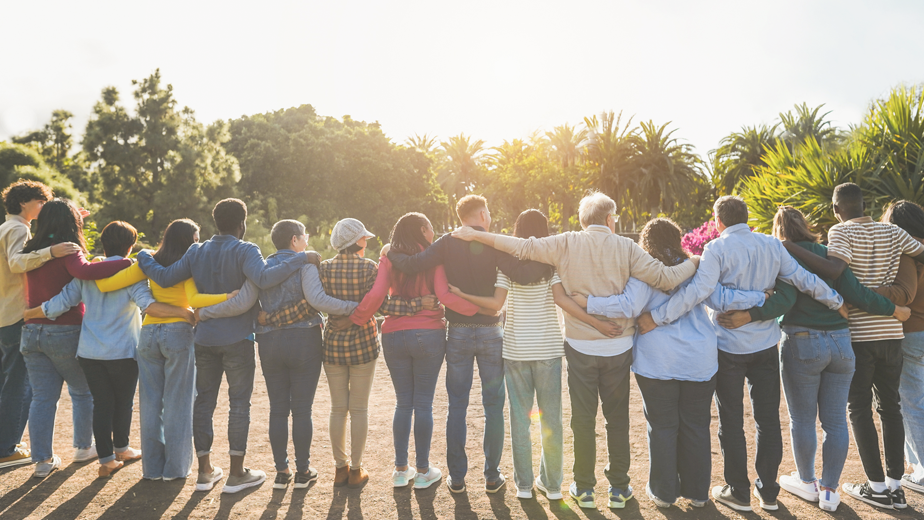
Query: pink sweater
{"points": [[422, 320]]}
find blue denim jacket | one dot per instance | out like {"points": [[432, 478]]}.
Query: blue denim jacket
{"points": [[112, 322], [285, 294]]}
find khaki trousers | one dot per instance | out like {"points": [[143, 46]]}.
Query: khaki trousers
{"points": [[350, 386]]}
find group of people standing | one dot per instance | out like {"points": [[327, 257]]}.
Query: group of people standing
{"points": [[692, 329]]}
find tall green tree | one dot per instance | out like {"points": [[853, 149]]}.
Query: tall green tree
{"points": [[567, 147], [806, 123], [610, 148], [739, 155]]}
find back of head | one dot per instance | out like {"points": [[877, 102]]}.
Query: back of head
{"points": [[790, 224], [229, 215], [179, 235], [531, 223], [469, 205], [407, 238], [731, 210], [849, 198], [118, 237], [661, 238], [59, 221], [21, 192], [906, 215], [284, 230], [594, 209]]}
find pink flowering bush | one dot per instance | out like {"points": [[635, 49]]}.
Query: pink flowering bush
{"points": [[694, 241]]}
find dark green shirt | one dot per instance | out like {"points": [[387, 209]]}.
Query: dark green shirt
{"points": [[802, 310]]}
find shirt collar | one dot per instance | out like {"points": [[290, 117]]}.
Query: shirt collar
{"points": [[223, 238], [597, 228], [17, 218], [737, 228], [861, 220]]}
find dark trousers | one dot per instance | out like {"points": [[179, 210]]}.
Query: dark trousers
{"points": [[236, 362], [112, 383], [291, 360], [608, 377], [679, 441], [762, 372], [15, 391], [876, 381]]}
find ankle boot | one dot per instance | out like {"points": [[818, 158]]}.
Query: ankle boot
{"points": [[358, 477], [342, 476]]}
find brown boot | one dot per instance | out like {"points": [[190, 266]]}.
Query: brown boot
{"points": [[358, 477], [342, 476]]}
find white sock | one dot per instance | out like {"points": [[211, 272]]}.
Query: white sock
{"points": [[878, 487], [893, 484]]}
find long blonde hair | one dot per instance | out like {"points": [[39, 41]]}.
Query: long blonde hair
{"points": [[790, 224]]}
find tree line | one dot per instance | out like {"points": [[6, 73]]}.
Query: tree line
{"points": [[156, 163]]}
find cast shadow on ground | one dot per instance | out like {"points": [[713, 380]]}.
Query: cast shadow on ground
{"points": [[296, 504], [153, 497], [227, 501], [23, 500], [74, 507], [462, 509], [346, 499]]}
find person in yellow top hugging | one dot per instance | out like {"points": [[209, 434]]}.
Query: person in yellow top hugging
{"points": [[166, 360]]}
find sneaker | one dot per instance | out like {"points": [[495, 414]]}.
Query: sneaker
{"points": [[128, 454], [908, 482], [657, 501], [42, 469], [525, 494], [282, 480], [864, 493], [85, 454], [828, 499], [425, 480], [551, 495], [20, 456], [619, 497], [800, 488], [455, 487], [699, 503], [584, 497], [250, 478], [766, 505], [724, 495], [494, 487], [898, 498], [207, 480], [303, 480], [403, 478]]}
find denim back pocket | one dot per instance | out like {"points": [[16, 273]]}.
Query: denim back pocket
{"points": [[178, 338], [806, 346], [843, 345]]}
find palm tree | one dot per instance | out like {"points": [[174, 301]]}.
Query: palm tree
{"points": [[423, 143], [567, 147], [462, 169], [805, 124], [610, 146], [738, 156]]}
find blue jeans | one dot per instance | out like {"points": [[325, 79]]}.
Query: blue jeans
{"points": [[167, 376], [50, 352], [817, 367], [237, 363], [912, 393], [464, 346], [15, 392], [291, 360], [414, 359], [525, 379]]}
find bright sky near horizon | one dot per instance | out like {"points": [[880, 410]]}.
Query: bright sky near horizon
{"points": [[493, 70]]}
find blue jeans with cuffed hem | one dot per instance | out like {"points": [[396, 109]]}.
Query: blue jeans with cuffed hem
{"points": [[465, 346], [542, 379], [15, 391], [912, 396], [167, 378], [50, 353], [237, 363], [414, 359], [817, 367], [291, 360]]}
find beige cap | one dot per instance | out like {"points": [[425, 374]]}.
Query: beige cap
{"points": [[347, 232]]}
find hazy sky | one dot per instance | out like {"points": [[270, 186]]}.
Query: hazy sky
{"points": [[495, 70]]}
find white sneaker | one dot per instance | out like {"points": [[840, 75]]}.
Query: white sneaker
{"points": [[657, 501], [403, 478], [525, 494], [795, 485], [909, 483], [551, 495], [699, 503], [206, 481], [43, 469], [425, 480], [828, 500], [250, 478], [85, 454]]}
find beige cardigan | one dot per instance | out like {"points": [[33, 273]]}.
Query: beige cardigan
{"points": [[599, 263]]}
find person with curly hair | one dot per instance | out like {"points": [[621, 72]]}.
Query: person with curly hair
{"points": [[675, 367]]}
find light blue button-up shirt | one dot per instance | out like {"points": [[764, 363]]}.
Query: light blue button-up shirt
{"points": [[742, 259], [112, 322], [685, 349]]}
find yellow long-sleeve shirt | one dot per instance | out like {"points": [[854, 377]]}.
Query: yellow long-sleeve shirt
{"points": [[184, 294]]}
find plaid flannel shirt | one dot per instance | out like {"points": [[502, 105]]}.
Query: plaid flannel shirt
{"points": [[349, 277]]}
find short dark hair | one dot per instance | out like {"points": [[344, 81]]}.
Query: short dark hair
{"points": [[118, 237], [23, 191], [731, 210], [849, 198], [531, 223], [229, 214], [284, 230], [906, 215], [469, 204]]}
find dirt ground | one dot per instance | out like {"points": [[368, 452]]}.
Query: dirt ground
{"points": [[74, 491]]}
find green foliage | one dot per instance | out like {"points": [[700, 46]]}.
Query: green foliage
{"points": [[739, 155], [18, 161]]}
